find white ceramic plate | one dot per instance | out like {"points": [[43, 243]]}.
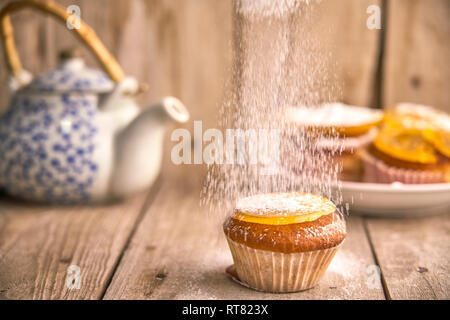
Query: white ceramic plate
{"points": [[397, 199]]}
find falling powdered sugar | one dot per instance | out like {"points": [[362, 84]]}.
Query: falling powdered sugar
{"points": [[279, 64], [268, 8]]}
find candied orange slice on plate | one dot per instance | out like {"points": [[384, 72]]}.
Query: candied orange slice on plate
{"points": [[353, 131], [440, 140], [406, 121], [406, 144]]}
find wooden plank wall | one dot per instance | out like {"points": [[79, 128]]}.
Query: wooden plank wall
{"points": [[184, 48], [177, 47], [341, 28], [417, 53]]}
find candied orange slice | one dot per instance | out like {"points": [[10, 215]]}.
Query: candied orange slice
{"points": [[283, 208], [354, 131], [406, 121], [280, 220], [406, 144], [440, 140], [422, 117]]}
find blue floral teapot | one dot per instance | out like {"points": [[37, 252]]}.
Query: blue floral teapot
{"points": [[75, 134]]}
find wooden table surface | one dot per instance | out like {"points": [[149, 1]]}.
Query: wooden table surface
{"points": [[162, 245]]}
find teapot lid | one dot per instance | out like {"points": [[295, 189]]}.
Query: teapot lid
{"points": [[72, 75]]}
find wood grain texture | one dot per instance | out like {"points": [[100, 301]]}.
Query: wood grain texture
{"points": [[414, 256], [332, 52], [354, 49], [417, 53], [38, 244], [189, 57], [179, 252], [180, 48]]}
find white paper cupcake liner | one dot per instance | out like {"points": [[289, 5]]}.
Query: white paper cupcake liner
{"points": [[271, 271], [349, 144], [377, 171]]}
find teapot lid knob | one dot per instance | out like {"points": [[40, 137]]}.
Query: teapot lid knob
{"points": [[71, 59], [69, 53]]}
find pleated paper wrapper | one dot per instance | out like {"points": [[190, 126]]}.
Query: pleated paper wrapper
{"points": [[377, 171], [271, 271]]}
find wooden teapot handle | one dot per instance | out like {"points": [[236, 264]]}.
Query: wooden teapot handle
{"points": [[85, 33]]}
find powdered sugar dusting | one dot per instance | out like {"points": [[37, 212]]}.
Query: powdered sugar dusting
{"points": [[326, 232], [284, 204], [428, 115], [334, 115], [278, 64]]}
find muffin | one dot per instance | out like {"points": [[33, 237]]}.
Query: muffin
{"points": [[283, 242], [412, 147], [346, 130]]}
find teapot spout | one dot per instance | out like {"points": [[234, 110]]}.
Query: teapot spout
{"points": [[174, 109], [139, 147]]}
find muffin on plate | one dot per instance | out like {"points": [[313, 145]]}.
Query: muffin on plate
{"points": [[355, 128], [283, 242], [412, 147]]}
